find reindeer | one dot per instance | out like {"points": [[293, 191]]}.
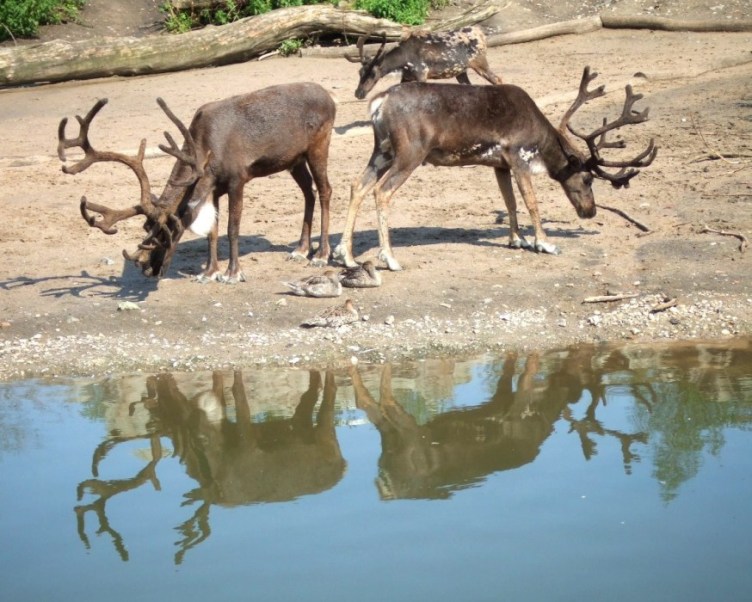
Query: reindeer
{"points": [[425, 55], [229, 142], [497, 126]]}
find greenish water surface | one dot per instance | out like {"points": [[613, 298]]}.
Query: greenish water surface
{"points": [[586, 473]]}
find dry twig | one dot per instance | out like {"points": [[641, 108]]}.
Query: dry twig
{"points": [[626, 216], [711, 150], [742, 245], [608, 298], [664, 306]]}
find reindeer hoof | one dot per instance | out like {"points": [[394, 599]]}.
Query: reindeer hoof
{"points": [[390, 261], [547, 247], [340, 256], [231, 279], [319, 262], [206, 277], [520, 243], [297, 257]]}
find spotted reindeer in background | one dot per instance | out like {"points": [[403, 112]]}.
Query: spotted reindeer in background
{"points": [[426, 55]]}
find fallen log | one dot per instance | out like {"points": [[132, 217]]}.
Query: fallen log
{"points": [[476, 16], [664, 24], [575, 26], [211, 46]]}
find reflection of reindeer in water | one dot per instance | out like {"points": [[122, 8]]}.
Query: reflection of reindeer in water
{"points": [[234, 462], [457, 448], [460, 447]]}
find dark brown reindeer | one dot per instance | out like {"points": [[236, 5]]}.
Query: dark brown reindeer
{"points": [[229, 142], [425, 55], [497, 126]]}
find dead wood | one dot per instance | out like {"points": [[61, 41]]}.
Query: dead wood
{"points": [[210, 46], [626, 216], [585, 25], [667, 304], [476, 14], [665, 24], [609, 298], [711, 150], [738, 235]]}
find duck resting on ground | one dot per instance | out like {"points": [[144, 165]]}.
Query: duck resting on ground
{"points": [[320, 285], [361, 276], [336, 316]]}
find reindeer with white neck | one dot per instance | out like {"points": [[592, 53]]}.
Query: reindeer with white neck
{"points": [[498, 126]]}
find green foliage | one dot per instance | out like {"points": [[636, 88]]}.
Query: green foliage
{"points": [[409, 12], [22, 18], [227, 12], [289, 47], [177, 21]]}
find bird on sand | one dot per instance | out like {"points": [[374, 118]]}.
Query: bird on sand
{"points": [[335, 316], [320, 285], [361, 276]]}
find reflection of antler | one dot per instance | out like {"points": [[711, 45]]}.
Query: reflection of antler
{"points": [[195, 530], [590, 425], [108, 489]]}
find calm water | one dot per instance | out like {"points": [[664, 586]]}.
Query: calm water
{"points": [[581, 474]]}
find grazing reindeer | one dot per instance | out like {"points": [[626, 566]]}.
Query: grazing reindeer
{"points": [[425, 55], [229, 143], [497, 126]]}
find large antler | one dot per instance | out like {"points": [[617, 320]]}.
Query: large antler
{"points": [[584, 95], [136, 163], [362, 58], [596, 140], [189, 156]]}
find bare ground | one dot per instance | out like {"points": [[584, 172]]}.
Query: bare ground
{"points": [[462, 291]]}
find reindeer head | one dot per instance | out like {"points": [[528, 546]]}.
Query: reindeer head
{"points": [[577, 176], [166, 216], [370, 70]]}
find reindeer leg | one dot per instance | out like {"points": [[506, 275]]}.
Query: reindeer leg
{"points": [[303, 179], [480, 66], [504, 179], [463, 78], [386, 187], [525, 184], [318, 159], [233, 275], [358, 191], [212, 265]]}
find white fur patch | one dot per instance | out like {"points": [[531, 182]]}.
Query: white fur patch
{"points": [[375, 106], [533, 159], [205, 220]]}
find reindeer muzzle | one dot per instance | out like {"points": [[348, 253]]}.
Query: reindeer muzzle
{"points": [[587, 212]]}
